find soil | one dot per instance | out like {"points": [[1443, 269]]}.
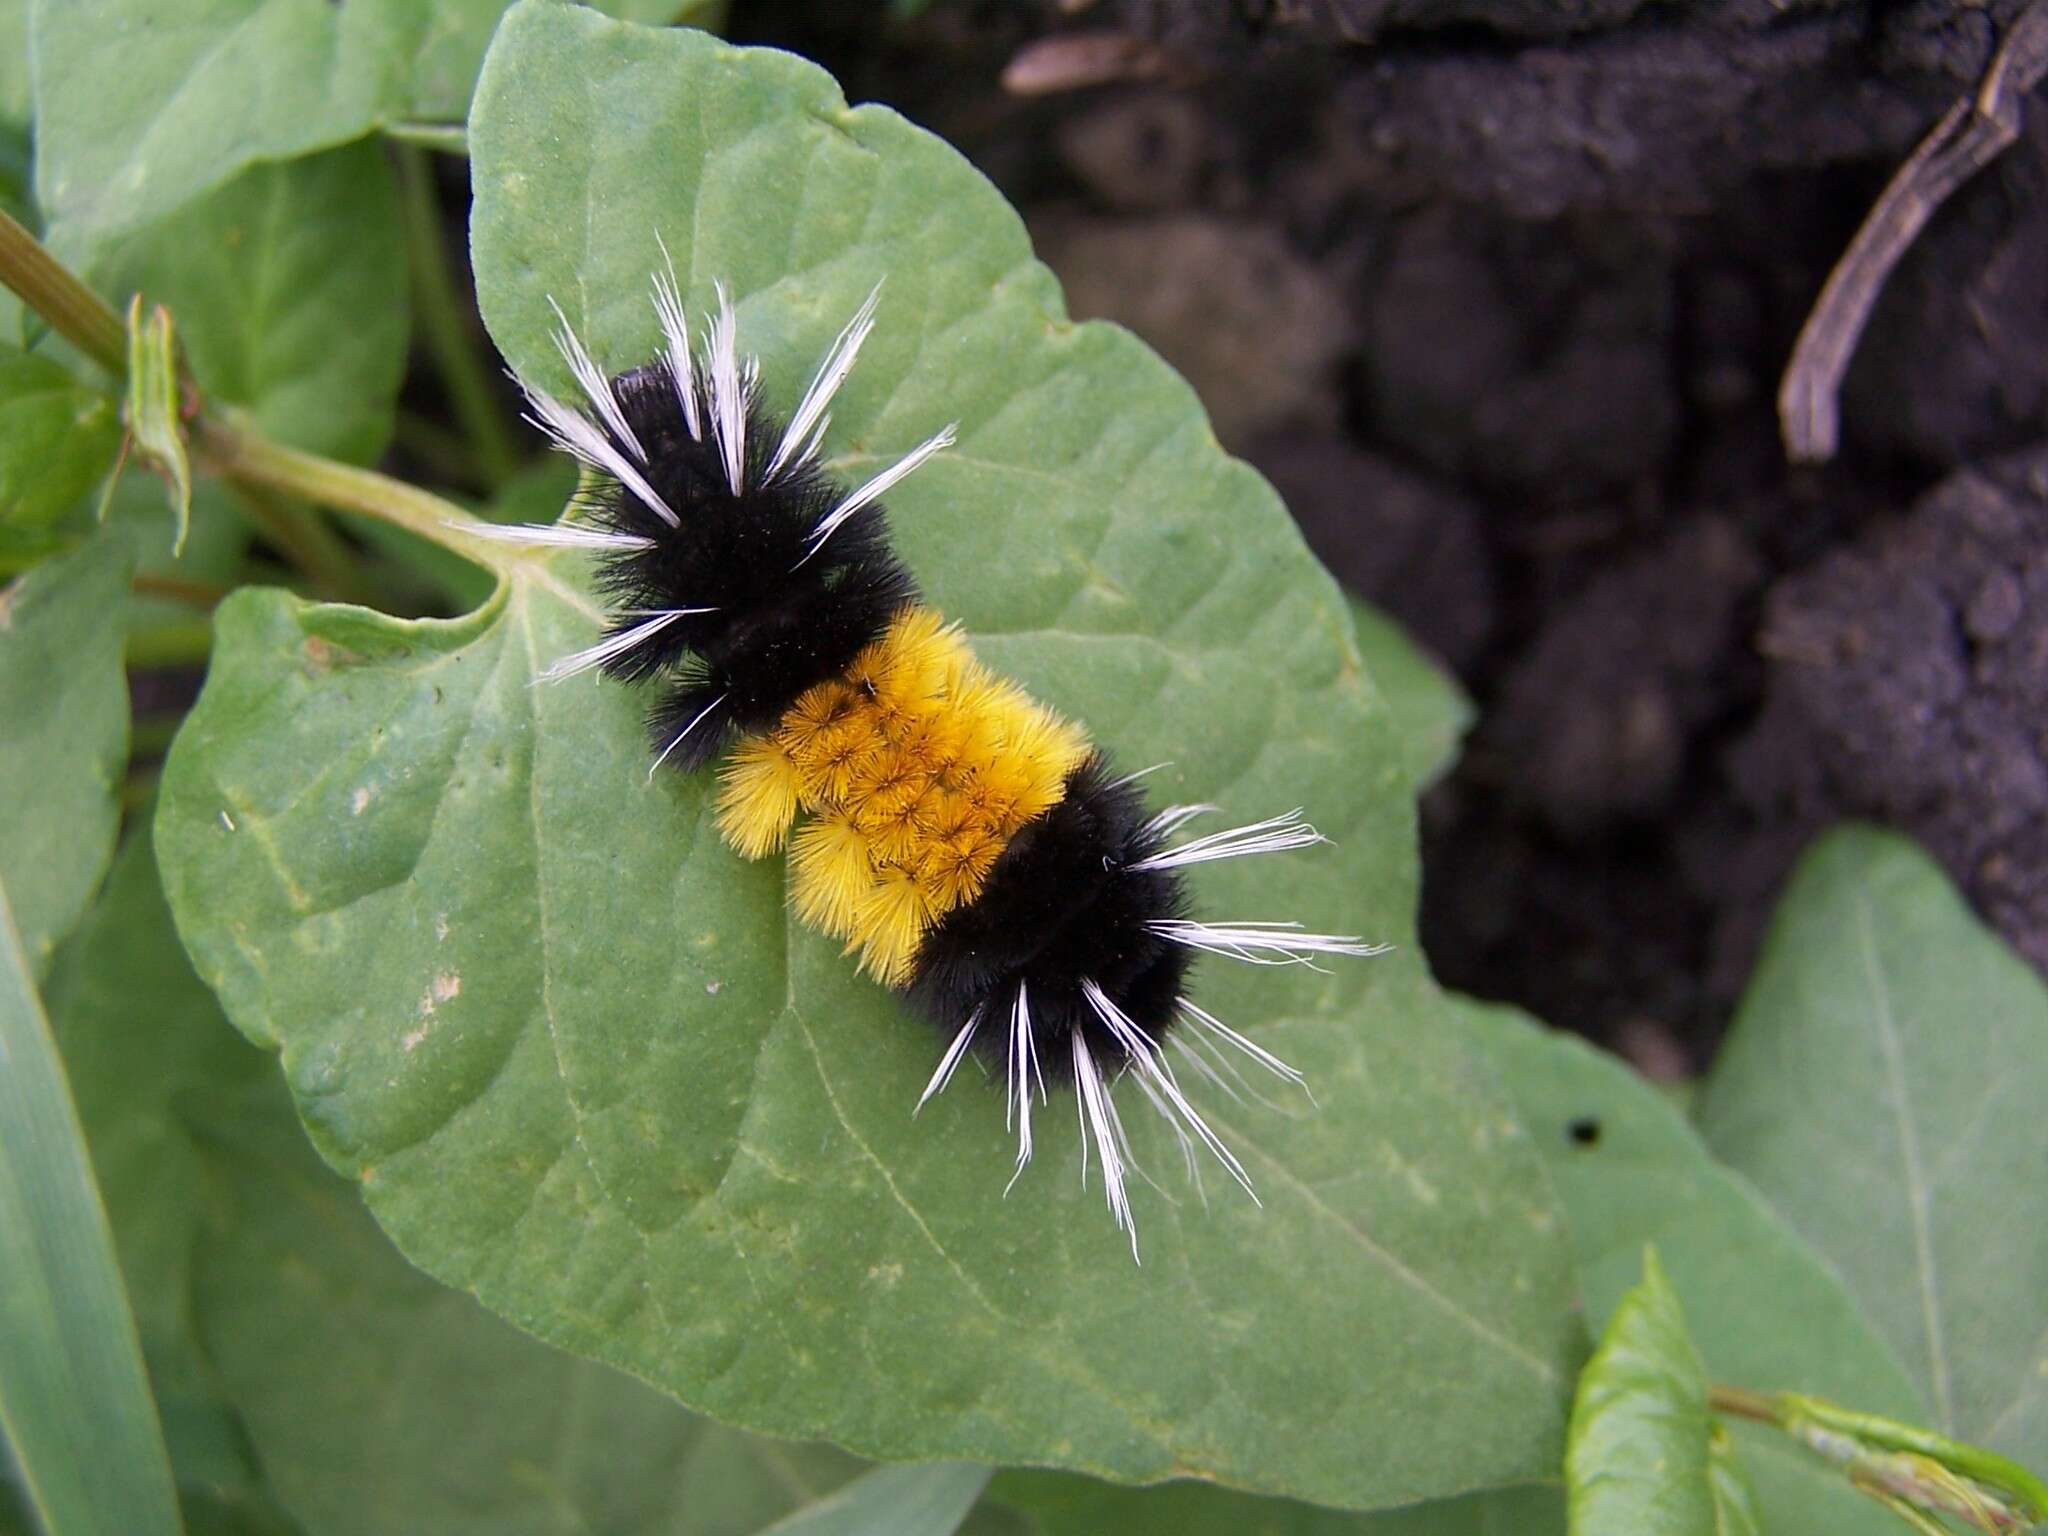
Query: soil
{"points": [[1498, 293]]}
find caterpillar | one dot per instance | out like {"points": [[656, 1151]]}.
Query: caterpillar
{"points": [[970, 846]]}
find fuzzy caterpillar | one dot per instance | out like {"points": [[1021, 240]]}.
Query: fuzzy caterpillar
{"points": [[968, 844]]}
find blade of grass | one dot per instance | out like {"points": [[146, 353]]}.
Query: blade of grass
{"points": [[74, 1399]]}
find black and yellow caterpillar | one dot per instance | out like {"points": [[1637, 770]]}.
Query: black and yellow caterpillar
{"points": [[968, 843]]}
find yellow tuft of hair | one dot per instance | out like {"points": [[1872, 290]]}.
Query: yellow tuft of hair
{"points": [[891, 924], [830, 874], [758, 795], [916, 766]]}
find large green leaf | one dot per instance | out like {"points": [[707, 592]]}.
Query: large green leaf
{"points": [[277, 1317], [1637, 1461], [579, 1057], [63, 736], [1766, 1312], [58, 438], [145, 104], [1886, 1088], [75, 1409], [289, 290]]}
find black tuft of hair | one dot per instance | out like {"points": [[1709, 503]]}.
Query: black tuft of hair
{"points": [[1063, 905], [782, 619]]}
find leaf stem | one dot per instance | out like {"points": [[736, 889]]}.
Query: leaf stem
{"points": [[445, 323], [74, 311], [1742, 1403], [233, 449]]}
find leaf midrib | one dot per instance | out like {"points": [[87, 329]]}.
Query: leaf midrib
{"points": [[1918, 1195]]}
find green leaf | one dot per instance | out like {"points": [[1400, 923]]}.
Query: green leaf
{"points": [[1883, 1088], [929, 1499], [282, 1328], [146, 104], [1635, 1463], [289, 290], [1431, 713], [74, 1402], [155, 415], [63, 736], [1057, 1504], [1765, 1310], [58, 438], [580, 1059]]}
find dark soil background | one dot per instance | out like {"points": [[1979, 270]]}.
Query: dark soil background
{"points": [[1498, 293]]}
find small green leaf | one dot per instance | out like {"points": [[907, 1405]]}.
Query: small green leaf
{"points": [[594, 1072], [926, 1499], [74, 1401], [284, 1333], [145, 104], [58, 439], [1635, 1460], [1765, 1310], [1431, 712], [155, 419], [1883, 1088], [63, 736], [288, 286]]}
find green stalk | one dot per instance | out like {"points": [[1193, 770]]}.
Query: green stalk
{"points": [[228, 443], [445, 324], [74, 311], [235, 450]]}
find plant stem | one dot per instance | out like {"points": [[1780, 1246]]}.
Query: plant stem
{"points": [[1742, 1403], [445, 323], [243, 455], [74, 311], [233, 448]]}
